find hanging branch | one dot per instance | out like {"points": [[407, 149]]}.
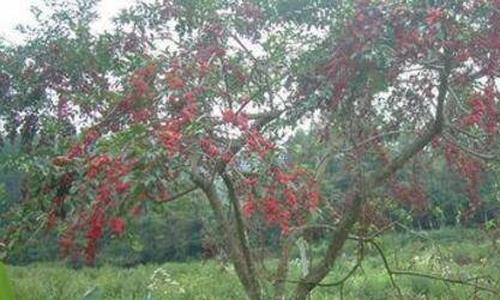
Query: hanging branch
{"points": [[429, 276]]}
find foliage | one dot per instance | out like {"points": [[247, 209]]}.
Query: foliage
{"points": [[201, 98]]}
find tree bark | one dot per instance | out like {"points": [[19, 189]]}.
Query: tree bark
{"points": [[249, 282], [242, 238]]}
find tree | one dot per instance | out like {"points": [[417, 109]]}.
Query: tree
{"points": [[221, 86]]}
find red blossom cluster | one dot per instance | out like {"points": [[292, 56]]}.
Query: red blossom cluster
{"points": [[283, 177], [249, 206], [174, 81], [484, 111], [209, 147], [141, 80], [286, 202], [137, 103], [171, 139], [434, 15], [258, 144], [240, 120], [80, 149], [106, 173], [171, 133], [478, 110], [291, 197], [117, 225], [205, 52], [111, 189], [95, 232]]}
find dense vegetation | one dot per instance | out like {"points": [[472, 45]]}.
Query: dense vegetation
{"points": [[294, 141], [457, 254]]}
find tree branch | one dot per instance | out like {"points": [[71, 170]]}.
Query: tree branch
{"points": [[240, 231], [176, 196], [341, 235]]}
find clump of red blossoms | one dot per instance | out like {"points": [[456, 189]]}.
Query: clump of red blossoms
{"points": [[117, 225]]}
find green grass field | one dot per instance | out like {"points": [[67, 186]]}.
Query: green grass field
{"points": [[462, 254]]}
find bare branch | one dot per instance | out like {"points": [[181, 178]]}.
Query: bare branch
{"points": [[177, 196], [342, 234]]}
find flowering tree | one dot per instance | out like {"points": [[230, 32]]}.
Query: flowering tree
{"points": [[209, 105]]}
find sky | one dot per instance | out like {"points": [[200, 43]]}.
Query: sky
{"points": [[13, 12]]}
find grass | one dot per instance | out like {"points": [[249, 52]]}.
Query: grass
{"points": [[55, 281], [451, 253]]}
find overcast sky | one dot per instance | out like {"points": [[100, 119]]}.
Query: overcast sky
{"points": [[13, 12]]}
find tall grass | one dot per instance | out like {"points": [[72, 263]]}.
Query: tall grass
{"points": [[449, 253]]}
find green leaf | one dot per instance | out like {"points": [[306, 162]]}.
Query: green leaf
{"points": [[6, 292]]}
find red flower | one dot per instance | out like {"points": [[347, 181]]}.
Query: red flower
{"points": [[433, 16], [104, 194], [241, 121], [188, 113], [229, 116], [91, 137], [75, 151], [314, 198], [282, 177], [140, 115], [100, 161], [249, 206], [251, 181], [272, 210], [478, 110], [117, 226], [257, 143], [122, 187], [140, 86], [171, 139], [291, 198], [227, 156], [190, 97], [175, 82], [209, 147]]}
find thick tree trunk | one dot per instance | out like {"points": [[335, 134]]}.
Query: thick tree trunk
{"points": [[241, 236], [245, 273], [338, 239]]}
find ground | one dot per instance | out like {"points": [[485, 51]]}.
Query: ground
{"points": [[461, 254]]}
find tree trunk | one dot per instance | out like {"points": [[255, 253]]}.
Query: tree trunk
{"points": [[245, 274]]}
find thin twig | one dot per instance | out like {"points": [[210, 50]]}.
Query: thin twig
{"points": [[387, 267]]}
